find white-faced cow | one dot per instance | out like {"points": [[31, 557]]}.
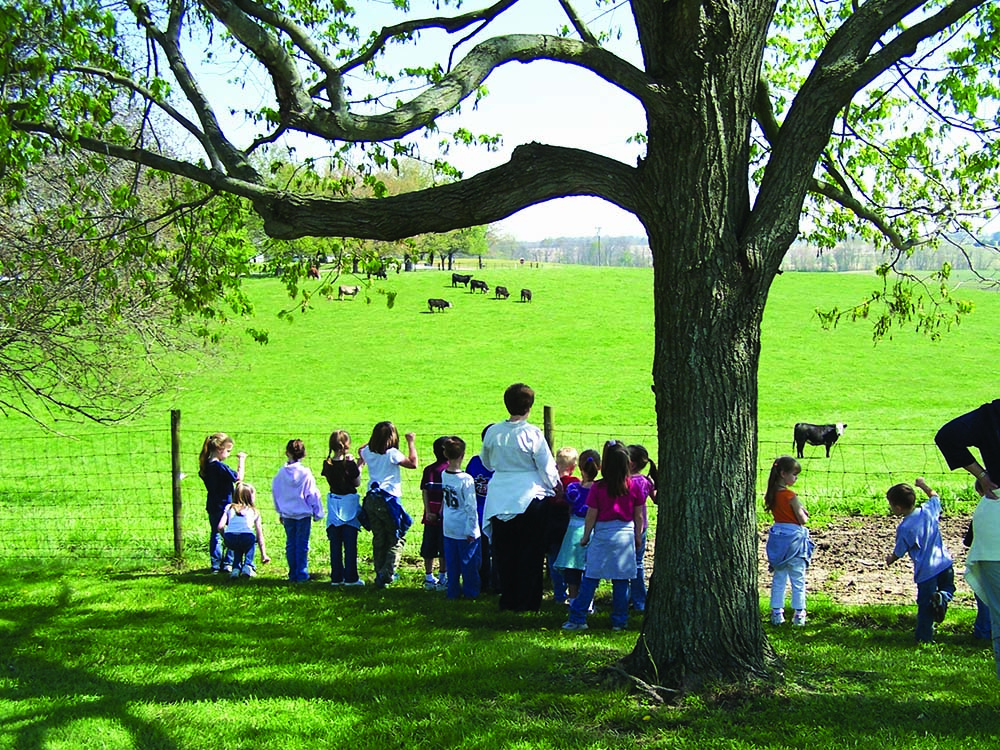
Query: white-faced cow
{"points": [[502, 293], [525, 295], [437, 304], [817, 434], [477, 285], [461, 278], [347, 291]]}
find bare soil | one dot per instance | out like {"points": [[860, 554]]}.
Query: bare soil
{"points": [[849, 567]]}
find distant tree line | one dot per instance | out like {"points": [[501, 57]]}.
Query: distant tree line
{"points": [[852, 255]]}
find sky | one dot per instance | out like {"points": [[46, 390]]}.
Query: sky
{"points": [[546, 102]]}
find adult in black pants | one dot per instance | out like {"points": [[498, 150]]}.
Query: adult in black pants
{"points": [[524, 475]]}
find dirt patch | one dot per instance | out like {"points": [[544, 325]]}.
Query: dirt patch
{"points": [[848, 564]]}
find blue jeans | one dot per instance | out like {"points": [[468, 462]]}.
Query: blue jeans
{"points": [[219, 557], [462, 558], [297, 547], [982, 627], [943, 582], [637, 586], [242, 548], [343, 553], [585, 597]]}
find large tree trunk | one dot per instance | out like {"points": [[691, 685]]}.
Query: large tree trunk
{"points": [[703, 616]]}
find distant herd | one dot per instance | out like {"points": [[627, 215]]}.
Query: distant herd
{"points": [[473, 285]]}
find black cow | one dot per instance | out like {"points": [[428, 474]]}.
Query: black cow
{"points": [[475, 285], [525, 295], [501, 291], [817, 434], [461, 278], [437, 304]]}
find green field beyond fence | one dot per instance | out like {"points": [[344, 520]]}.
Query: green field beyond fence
{"points": [[584, 343]]}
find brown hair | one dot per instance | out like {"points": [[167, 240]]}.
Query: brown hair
{"points": [[780, 466], [518, 398], [384, 436], [296, 450], [901, 496], [213, 444]]}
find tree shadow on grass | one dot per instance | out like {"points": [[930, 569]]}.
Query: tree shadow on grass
{"points": [[406, 666]]}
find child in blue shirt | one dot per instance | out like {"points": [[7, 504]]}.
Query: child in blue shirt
{"points": [[919, 535]]}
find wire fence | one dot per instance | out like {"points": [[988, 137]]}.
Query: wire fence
{"points": [[107, 494]]}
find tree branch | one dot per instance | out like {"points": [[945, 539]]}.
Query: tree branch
{"points": [[534, 174], [578, 24]]}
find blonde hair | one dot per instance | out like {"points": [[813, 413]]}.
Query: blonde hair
{"points": [[244, 496], [340, 442], [566, 457], [212, 446]]}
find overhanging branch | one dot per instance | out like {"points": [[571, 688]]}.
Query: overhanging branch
{"points": [[534, 174]]}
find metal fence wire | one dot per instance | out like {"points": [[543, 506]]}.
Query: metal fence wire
{"points": [[108, 494]]}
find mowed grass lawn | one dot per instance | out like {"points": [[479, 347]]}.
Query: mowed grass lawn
{"points": [[151, 655]]}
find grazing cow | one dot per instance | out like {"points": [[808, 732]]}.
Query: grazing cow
{"points": [[461, 278], [347, 291], [313, 272], [475, 285], [525, 295], [501, 291], [817, 434], [437, 304]]}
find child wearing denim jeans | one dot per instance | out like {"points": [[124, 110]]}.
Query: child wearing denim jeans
{"points": [[919, 535]]}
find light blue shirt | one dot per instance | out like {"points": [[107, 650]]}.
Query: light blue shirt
{"points": [[919, 536]]}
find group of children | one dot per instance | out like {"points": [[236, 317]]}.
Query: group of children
{"points": [[597, 525], [918, 534]]}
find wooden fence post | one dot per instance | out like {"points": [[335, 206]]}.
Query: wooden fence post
{"points": [[549, 428], [175, 472]]}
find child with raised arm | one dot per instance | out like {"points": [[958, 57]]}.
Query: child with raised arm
{"points": [[789, 547], [384, 460], [342, 507], [241, 529], [220, 479], [919, 535], [460, 523]]}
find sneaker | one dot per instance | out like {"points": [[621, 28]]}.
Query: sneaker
{"points": [[431, 583], [227, 568], [777, 617], [617, 628], [358, 582], [938, 606], [574, 626], [442, 585], [799, 619], [234, 572], [379, 582], [336, 583], [249, 571]]}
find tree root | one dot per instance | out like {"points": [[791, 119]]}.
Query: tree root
{"points": [[656, 693]]}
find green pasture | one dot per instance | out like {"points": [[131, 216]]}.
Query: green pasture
{"points": [[584, 343], [112, 644]]}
